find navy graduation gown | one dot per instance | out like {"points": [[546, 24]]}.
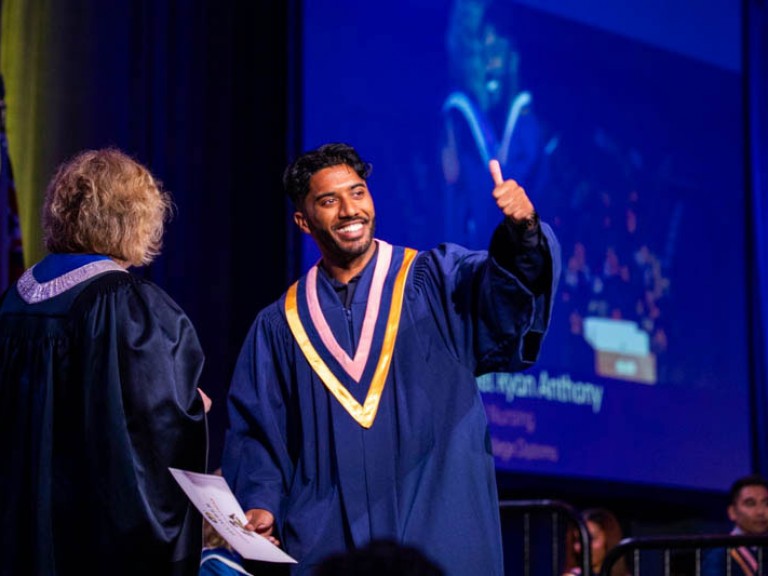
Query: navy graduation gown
{"points": [[98, 397], [423, 472]]}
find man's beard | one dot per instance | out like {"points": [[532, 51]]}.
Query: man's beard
{"points": [[327, 242]]}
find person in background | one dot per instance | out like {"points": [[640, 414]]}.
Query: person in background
{"points": [[748, 510], [354, 409], [604, 533], [98, 388]]}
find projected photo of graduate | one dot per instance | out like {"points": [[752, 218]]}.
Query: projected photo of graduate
{"points": [[632, 150]]}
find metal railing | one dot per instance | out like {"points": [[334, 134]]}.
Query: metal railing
{"points": [[681, 555], [543, 525]]}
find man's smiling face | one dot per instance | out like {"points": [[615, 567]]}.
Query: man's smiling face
{"points": [[338, 212]]}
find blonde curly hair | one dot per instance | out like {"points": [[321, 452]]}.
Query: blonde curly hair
{"points": [[104, 202]]}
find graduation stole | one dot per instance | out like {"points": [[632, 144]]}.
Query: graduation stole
{"points": [[745, 560], [364, 413]]}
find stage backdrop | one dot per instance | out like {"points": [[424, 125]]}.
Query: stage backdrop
{"points": [[626, 127]]}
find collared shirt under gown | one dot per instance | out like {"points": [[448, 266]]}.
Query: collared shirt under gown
{"points": [[98, 397], [423, 473]]}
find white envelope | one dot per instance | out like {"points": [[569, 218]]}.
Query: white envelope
{"points": [[212, 496]]}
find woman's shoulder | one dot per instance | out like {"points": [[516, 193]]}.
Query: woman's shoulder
{"points": [[127, 296]]}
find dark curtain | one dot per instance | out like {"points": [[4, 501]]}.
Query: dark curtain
{"points": [[199, 92], [756, 96]]}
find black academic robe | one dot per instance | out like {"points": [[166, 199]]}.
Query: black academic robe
{"points": [[98, 397]]}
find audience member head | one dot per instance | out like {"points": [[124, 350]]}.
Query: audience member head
{"points": [[104, 202], [379, 558], [748, 507], [604, 533]]}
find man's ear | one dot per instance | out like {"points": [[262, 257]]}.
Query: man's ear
{"points": [[301, 221], [732, 513]]}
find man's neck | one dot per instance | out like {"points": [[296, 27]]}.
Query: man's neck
{"points": [[345, 271]]}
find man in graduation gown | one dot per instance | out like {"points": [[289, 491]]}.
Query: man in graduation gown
{"points": [[98, 390], [748, 510], [354, 410]]}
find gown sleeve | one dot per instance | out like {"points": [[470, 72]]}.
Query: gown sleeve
{"points": [[257, 461], [491, 318]]}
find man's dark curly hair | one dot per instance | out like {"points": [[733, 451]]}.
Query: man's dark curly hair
{"points": [[297, 175]]}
